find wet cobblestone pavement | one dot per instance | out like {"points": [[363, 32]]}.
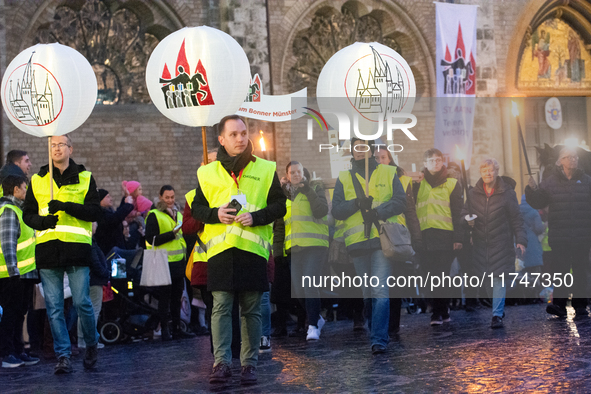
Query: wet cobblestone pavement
{"points": [[534, 352]]}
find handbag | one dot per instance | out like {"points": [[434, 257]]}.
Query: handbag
{"points": [[394, 237], [155, 270]]}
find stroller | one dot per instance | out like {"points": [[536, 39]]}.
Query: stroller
{"points": [[132, 312]]}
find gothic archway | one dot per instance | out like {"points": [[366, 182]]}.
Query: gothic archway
{"points": [[324, 30]]}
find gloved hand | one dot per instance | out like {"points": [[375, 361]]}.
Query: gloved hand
{"points": [[370, 216], [364, 203], [49, 221], [56, 206], [305, 188], [532, 183]]}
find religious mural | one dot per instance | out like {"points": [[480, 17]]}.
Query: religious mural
{"points": [[555, 57]]}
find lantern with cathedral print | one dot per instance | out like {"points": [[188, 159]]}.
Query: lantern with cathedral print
{"points": [[48, 90], [198, 75], [368, 82]]}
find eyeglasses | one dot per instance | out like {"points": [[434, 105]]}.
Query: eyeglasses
{"points": [[435, 161], [570, 157], [60, 145]]}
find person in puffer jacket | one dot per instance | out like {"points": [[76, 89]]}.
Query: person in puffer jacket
{"points": [[497, 227], [567, 194]]}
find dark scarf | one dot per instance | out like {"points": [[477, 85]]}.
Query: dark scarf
{"points": [[236, 163], [358, 166], [436, 179]]}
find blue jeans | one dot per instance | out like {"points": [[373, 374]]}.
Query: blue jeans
{"points": [[266, 314], [498, 296], [376, 299], [53, 287], [308, 261]]}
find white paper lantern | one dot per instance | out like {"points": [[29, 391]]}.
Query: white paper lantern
{"points": [[368, 82], [48, 90], [198, 75]]}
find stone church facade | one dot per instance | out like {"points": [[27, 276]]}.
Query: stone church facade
{"points": [[287, 43]]}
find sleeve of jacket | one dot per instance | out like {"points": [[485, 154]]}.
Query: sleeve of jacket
{"points": [[153, 230], [278, 237], [318, 202], [534, 220], [397, 203], [517, 223], [99, 266], [31, 215], [114, 218], [456, 203], [201, 210], [190, 225], [9, 240], [412, 221], [539, 198], [90, 211], [275, 208], [341, 208]]}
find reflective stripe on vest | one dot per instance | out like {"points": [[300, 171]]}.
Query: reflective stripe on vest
{"points": [[190, 196], [175, 248], [301, 227], [218, 188], [380, 188], [433, 209], [68, 229], [25, 248]]}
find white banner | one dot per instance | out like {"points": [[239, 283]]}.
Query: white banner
{"points": [[455, 62], [268, 107]]}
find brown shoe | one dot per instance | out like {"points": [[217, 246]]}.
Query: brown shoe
{"points": [[249, 375], [220, 374]]}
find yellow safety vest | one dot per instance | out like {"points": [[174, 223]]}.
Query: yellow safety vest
{"points": [[218, 188], [380, 188], [175, 248], [25, 248], [189, 197], [433, 209], [68, 229], [301, 227]]}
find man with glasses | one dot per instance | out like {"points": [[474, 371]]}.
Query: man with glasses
{"points": [[64, 236], [439, 204], [567, 194]]}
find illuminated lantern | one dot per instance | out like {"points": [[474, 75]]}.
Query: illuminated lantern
{"points": [[48, 90], [368, 82], [198, 75]]}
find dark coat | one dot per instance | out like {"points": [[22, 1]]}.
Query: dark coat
{"points": [[53, 254], [100, 271], [109, 232], [235, 269], [498, 227], [569, 202], [534, 228]]}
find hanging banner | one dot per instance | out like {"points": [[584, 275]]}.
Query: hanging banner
{"points": [[258, 105], [455, 62]]}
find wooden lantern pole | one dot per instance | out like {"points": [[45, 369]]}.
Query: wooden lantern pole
{"points": [[204, 138], [50, 168]]}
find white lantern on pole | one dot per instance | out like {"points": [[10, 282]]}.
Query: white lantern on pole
{"points": [[198, 75], [48, 90], [368, 82]]}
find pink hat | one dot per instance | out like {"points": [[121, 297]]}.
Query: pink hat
{"points": [[143, 204], [131, 186]]}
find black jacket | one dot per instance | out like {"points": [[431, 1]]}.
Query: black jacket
{"points": [[498, 226], [100, 271], [56, 253], [436, 239], [235, 269], [109, 232], [569, 202], [343, 209]]}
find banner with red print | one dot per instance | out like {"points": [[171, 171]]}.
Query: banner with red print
{"points": [[455, 62]]}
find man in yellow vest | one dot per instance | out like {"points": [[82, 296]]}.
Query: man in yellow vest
{"points": [[64, 238], [386, 200], [238, 241], [17, 264], [439, 205]]}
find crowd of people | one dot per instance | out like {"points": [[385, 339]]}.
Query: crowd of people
{"points": [[247, 236]]}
